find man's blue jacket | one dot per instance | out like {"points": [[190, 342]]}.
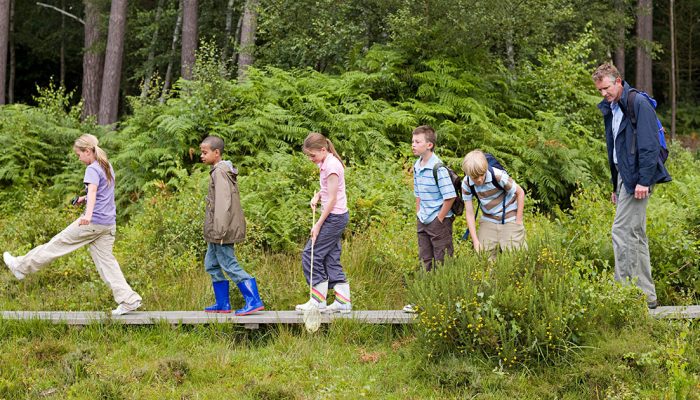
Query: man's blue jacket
{"points": [[641, 165]]}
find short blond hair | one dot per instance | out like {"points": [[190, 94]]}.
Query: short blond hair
{"points": [[474, 164], [606, 70]]}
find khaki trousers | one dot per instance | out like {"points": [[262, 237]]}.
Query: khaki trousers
{"points": [[630, 244], [508, 236], [100, 239]]}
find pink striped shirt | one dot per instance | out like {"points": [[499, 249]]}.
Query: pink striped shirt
{"points": [[331, 165]]}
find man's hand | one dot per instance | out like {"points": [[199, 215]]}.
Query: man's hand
{"points": [[641, 192]]}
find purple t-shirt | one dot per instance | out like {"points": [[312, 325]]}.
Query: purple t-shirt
{"points": [[105, 212]]}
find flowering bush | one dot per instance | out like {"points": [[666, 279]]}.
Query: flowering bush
{"points": [[534, 305]]}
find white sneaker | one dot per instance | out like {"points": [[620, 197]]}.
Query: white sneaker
{"points": [[11, 263], [125, 308], [310, 305], [410, 308], [339, 307]]}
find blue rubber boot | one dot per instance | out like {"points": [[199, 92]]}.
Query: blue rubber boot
{"points": [[222, 305], [253, 303]]}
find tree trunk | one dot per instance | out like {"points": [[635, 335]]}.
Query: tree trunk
{"points": [[150, 64], [227, 31], [644, 40], [13, 59], [673, 69], [173, 49], [189, 38], [62, 70], [111, 80], [246, 55], [93, 60], [4, 39], [619, 59]]}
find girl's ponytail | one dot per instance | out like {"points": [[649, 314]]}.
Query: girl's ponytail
{"points": [[316, 141], [88, 141]]}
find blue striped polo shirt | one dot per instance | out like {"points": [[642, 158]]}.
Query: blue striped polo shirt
{"points": [[431, 195], [491, 197]]}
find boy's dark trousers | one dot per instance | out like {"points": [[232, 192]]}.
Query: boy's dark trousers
{"points": [[434, 239]]}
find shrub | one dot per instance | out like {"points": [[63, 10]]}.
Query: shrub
{"points": [[531, 306]]}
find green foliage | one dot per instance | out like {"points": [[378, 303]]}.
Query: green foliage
{"points": [[535, 306]]}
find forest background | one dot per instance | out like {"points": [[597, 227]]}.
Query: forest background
{"points": [[152, 78]]}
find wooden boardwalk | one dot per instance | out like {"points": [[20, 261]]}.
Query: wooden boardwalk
{"points": [[262, 318], [200, 317]]}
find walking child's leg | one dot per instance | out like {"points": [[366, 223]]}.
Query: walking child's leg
{"points": [[108, 267], [68, 240], [218, 280], [441, 238], [211, 264], [226, 257], [425, 246]]}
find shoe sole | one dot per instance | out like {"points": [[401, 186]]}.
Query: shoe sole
{"points": [[250, 312]]}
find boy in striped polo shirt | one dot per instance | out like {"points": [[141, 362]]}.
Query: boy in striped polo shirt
{"points": [[502, 202], [433, 200]]}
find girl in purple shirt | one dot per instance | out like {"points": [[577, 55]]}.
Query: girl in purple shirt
{"points": [[95, 228]]}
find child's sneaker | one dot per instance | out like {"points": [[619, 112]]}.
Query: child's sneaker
{"points": [[309, 305], [11, 263], [125, 308], [410, 308]]}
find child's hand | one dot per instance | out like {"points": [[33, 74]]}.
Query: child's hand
{"points": [[314, 232], [477, 245], [314, 200], [81, 200], [84, 221]]}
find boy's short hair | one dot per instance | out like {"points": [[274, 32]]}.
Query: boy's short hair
{"points": [[214, 143], [428, 132], [606, 70], [474, 164]]}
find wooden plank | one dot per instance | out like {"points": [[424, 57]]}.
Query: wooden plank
{"points": [[677, 312], [200, 317], [264, 317]]}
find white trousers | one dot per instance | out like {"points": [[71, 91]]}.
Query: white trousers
{"points": [[100, 239]]}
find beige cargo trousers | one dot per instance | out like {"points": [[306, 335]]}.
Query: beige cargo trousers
{"points": [[100, 239]]}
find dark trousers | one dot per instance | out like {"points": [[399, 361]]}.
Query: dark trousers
{"points": [[326, 252], [434, 240]]}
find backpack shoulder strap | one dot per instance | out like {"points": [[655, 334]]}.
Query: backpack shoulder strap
{"points": [[495, 181], [436, 167], [631, 97]]}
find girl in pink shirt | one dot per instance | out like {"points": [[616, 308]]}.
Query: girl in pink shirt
{"points": [[327, 231]]}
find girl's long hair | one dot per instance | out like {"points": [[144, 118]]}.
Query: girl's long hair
{"points": [[88, 141], [316, 141]]}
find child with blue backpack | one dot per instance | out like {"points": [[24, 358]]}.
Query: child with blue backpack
{"points": [[501, 201]]}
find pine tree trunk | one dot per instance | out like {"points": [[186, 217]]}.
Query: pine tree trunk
{"points": [[619, 59], [111, 79], [644, 39], [673, 68], [13, 59], [4, 40], [246, 55], [93, 60], [62, 70], [173, 49], [227, 31], [150, 64], [189, 38]]}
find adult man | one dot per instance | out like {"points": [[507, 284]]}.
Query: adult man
{"points": [[635, 167]]}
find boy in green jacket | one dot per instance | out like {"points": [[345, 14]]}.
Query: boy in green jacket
{"points": [[224, 225]]}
